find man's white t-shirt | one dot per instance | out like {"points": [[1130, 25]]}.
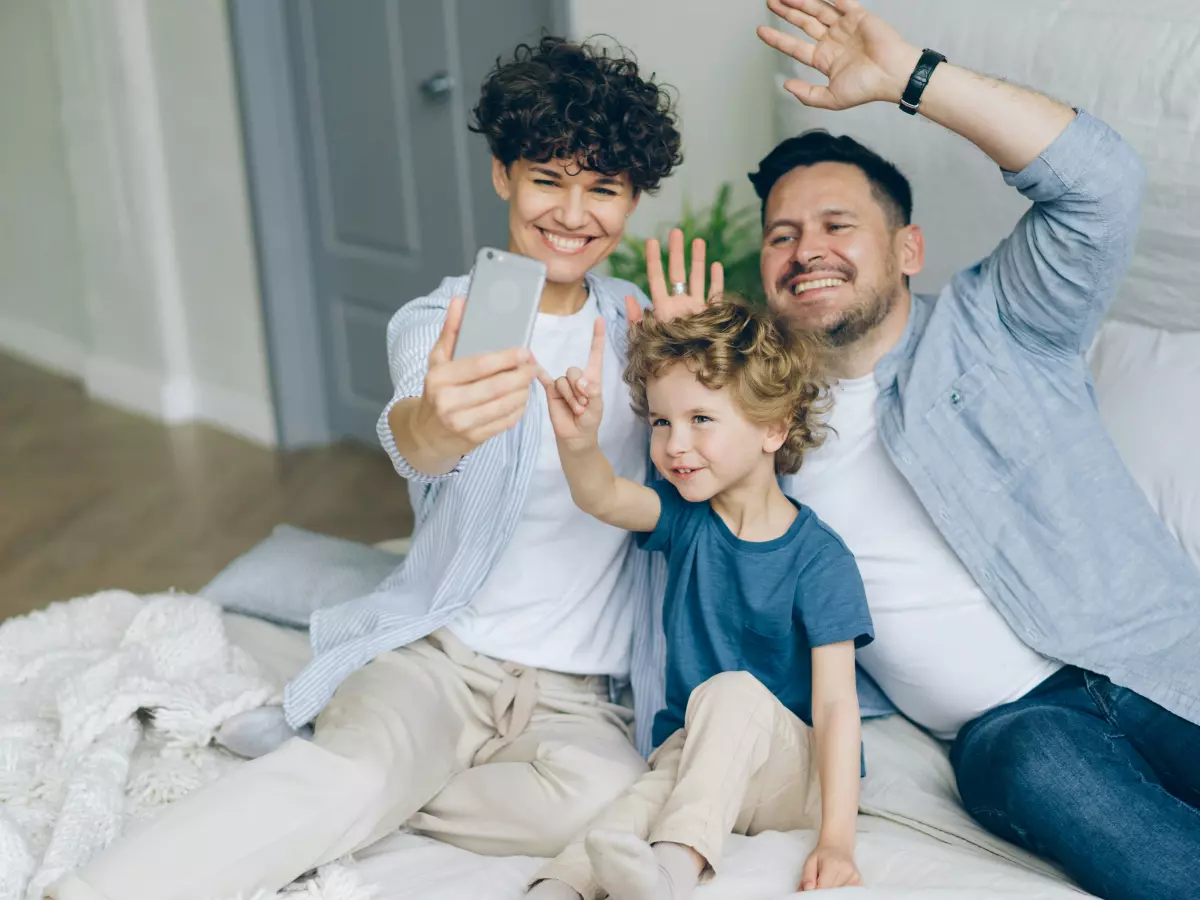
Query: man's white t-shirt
{"points": [[550, 600], [942, 652]]}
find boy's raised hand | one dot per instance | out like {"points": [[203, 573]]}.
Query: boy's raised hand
{"points": [[829, 867], [575, 399]]}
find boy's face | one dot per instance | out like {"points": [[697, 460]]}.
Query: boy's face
{"points": [[700, 440], [569, 218]]}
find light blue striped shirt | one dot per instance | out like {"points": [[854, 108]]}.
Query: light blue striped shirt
{"points": [[463, 522]]}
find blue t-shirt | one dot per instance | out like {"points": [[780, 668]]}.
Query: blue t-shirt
{"points": [[759, 607]]}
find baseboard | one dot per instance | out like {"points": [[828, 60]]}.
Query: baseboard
{"points": [[137, 390], [42, 347], [180, 400], [242, 414]]}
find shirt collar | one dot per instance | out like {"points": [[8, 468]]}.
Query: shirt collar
{"points": [[888, 368]]}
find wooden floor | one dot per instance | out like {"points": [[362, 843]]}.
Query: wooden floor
{"points": [[92, 497]]}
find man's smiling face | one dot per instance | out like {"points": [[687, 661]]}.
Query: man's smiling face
{"points": [[833, 258]]}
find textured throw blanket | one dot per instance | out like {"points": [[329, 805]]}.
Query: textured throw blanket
{"points": [[108, 707]]}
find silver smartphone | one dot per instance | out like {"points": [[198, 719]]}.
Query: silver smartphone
{"points": [[502, 303]]}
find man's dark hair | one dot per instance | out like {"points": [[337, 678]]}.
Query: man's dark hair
{"points": [[562, 100], [890, 187]]}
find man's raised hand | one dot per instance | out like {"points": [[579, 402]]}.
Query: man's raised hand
{"points": [[864, 58]]}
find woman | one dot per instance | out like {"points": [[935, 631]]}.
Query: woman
{"points": [[473, 694]]}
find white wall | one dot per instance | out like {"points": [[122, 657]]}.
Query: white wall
{"points": [[41, 293], [126, 254], [724, 75], [209, 203]]}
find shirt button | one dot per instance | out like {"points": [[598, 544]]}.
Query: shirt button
{"points": [[944, 516], [1032, 634], [956, 398], [987, 574]]}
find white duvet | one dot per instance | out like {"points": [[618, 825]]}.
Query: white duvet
{"points": [[76, 767], [915, 840], [918, 847]]}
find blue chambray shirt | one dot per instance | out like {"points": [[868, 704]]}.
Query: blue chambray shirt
{"points": [[986, 407]]}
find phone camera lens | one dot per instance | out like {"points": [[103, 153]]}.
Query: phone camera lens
{"points": [[490, 254]]}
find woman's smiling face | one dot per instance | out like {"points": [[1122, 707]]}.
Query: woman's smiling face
{"points": [[569, 218]]}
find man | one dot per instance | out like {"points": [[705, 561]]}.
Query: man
{"points": [[1028, 603]]}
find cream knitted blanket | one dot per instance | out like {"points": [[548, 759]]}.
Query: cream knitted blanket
{"points": [[108, 707]]}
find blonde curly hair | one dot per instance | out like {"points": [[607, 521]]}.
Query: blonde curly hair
{"points": [[774, 373]]}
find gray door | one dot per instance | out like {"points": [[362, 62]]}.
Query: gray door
{"points": [[398, 191]]}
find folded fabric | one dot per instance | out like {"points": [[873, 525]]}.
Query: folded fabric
{"points": [[108, 705]]}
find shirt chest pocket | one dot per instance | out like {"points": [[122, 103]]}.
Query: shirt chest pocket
{"points": [[989, 431]]}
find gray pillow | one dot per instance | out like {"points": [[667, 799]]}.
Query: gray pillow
{"points": [[293, 572]]}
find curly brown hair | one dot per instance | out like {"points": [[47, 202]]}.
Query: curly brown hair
{"points": [[563, 100], [774, 373]]}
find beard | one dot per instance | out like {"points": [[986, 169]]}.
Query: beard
{"points": [[870, 307], [867, 312]]}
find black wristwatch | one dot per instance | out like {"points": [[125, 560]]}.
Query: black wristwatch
{"points": [[911, 100]]}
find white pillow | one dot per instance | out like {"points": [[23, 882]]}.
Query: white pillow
{"points": [[1148, 386], [292, 573]]}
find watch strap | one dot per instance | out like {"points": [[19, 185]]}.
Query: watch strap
{"points": [[910, 102]]}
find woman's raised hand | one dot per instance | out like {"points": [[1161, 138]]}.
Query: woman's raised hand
{"points": [[467, 401]]}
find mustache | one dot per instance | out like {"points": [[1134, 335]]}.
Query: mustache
{"points": [[796, 269]]}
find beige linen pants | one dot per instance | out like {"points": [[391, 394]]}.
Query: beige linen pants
{"points": [[481, 754], [742, 763]]}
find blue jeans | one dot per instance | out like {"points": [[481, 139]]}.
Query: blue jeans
{"points": [[1095, 777]]}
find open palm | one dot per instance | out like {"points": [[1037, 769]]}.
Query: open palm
{"points": [[668, 305], [864, 58]]}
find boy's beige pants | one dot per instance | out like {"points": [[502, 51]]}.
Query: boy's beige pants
{"points": [[742, 763], [481, 754]]}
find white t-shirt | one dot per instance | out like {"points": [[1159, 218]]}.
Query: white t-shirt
{"points": [[942, 652], [550, 599]]}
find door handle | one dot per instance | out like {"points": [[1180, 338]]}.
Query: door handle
{"points": [[437, 87]]}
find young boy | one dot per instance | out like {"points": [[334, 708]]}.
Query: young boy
{"points": [[764, 608]]}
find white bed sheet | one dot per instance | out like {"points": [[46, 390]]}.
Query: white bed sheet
{"points": [[915, 840]]}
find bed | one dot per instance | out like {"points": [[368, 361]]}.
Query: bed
{"points": [[914, 838]]}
